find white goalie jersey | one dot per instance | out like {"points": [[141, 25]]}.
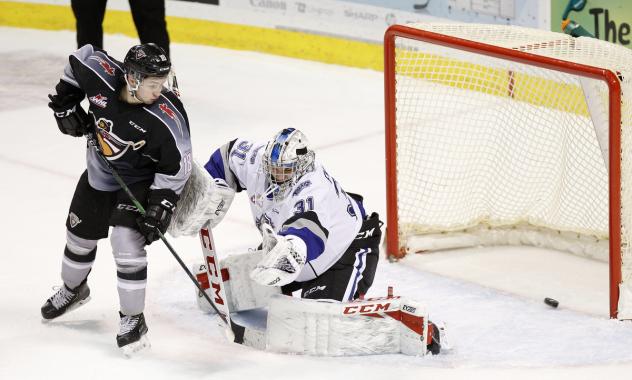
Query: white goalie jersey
{"points": [[316, 208]]}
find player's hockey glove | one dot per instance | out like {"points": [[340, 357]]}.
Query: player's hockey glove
{"points": [[283, 258], [70, 116], [160, 205]]}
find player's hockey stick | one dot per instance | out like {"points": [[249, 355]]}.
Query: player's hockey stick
{"points": [[93, 143]]}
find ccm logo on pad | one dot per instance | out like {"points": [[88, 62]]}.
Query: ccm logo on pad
{"points": [[366, 309]]}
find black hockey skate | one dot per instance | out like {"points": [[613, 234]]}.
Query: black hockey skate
{"points": [[64, 300], [132, 336]]}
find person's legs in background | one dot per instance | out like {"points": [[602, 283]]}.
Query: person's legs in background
{"points": [[149, 18], [89, 19]]}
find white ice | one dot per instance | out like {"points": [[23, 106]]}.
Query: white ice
{"points": [[491, 299]]}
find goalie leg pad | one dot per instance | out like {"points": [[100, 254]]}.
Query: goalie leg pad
{"points": [[241, 292], [374, 326]]}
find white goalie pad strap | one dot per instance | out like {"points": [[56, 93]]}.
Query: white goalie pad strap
{"points": [[365, 327], [241, 292], [202, 199]]}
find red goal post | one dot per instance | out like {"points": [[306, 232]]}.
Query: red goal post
{"points": [[430, 68]]}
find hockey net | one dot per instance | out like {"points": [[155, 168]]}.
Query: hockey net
{"points": [[507, 135]]}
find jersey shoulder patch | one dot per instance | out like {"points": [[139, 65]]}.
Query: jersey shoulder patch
{"points": [[255, 152], [173, 98], [300, 187], [167, 112], [106, 68]]}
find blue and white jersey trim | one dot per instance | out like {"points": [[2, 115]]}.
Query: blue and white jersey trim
{"points": [[308, 228], [358, 269]]}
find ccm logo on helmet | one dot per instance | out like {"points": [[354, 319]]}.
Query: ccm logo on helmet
{"points": [[367, 309]]}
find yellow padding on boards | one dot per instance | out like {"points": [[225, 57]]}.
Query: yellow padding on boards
{"points": [[280, 42], [239, 37], [38, 16], [304, 46], [492, 81]]}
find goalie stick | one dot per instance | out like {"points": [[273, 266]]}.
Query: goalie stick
{"points": [[234, 331]]}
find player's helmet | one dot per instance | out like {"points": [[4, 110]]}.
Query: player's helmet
{"points": [[147, 60], [286, 159]]}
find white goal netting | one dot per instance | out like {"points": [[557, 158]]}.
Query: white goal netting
{"points": [[492, 151]]}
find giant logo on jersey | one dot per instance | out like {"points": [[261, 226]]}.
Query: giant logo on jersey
{"points": [[111, 145]]}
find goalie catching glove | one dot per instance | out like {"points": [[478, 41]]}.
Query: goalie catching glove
{"points": [[283, 258]]}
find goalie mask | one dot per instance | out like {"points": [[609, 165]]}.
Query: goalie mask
{"points": [[286, 159]]}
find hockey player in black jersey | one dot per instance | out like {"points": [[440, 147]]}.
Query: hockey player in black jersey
{"points": [[142, 130]]}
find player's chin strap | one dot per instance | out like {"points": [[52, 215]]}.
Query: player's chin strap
{"points": [[173, 83], [133, 89], [92, 142]]}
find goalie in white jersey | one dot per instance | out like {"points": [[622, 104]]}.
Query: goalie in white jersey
{"points": [[316, 237]]}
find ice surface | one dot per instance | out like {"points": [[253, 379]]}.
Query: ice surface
{"points": [[491, 301]]}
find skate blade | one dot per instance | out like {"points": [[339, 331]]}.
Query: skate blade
{"points": [[132, 349], [71, 308]]}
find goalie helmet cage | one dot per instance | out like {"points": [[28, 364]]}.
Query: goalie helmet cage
{"points": [[501, 134]]}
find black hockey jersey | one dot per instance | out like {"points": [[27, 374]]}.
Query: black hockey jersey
{"points": [[140, 141]]}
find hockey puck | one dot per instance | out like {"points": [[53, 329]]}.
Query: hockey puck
{"points": [[551, 302]]}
